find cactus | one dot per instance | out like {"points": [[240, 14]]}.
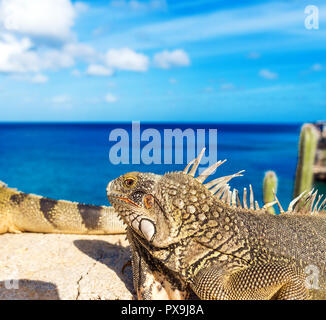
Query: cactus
{"points": [[306, 159], [269, 185]]}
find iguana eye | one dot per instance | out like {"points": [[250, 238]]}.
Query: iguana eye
{"points": [[129, 181], [148, 201]]}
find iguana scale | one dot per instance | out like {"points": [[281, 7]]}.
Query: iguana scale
{"points": [[20, 212], [189, 236]]}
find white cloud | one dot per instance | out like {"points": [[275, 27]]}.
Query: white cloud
{"points": [[39, 78], [172, 80], [167, 59], [46, 18], [20, 55], [81, 7], [11, 50], [126, 59], [36, 78], [267, 74], [317, 67], [81, 51], [54, 59], [61, 99], [23, 22], [110, 98], [283, 17], [99, 70], [62, 102], [76, 73]]}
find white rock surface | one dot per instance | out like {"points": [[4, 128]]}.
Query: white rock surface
{"points": [[57, 266]]}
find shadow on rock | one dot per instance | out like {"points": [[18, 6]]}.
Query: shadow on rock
{"points": [[23, 289], [111, 255]]}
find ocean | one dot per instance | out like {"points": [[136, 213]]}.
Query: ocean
{"points": [[71, 160]]}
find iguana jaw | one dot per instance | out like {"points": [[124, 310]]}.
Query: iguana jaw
{"points": [[136, 220], [127, 200]]}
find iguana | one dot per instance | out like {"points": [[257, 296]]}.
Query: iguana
{"points": [[189, 236], [20, 212]]}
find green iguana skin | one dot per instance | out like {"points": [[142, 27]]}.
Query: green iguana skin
{"points": [[20, 212], [188, 236]]}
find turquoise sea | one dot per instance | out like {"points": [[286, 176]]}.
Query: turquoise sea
{"points": [[71, 160]]}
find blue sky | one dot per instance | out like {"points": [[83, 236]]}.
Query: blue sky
{"points": [[160, 60]]}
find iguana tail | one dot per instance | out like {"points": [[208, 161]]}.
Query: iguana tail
{"points": [[20, 212]]}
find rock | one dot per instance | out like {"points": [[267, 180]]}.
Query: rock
{"points": [[70, 267]]}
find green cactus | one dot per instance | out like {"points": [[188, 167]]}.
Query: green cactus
{"points": [[269, 185], [306, 159]]}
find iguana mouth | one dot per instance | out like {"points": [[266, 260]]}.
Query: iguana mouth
{"points": [[124, 199], [119, 196]]}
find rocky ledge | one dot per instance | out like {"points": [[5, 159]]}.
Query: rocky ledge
{"points": [[70, 267]]}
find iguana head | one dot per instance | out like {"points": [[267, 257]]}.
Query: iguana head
{"points": [[166, 209], [144, 201], [135, 197]]}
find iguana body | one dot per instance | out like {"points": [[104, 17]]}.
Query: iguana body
{"points": [[20, 212], [186, 235]]}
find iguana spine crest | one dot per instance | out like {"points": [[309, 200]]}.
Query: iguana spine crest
{"points": [[222, 191]]}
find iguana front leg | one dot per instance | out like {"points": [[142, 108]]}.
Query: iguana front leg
{"points": [[256, 282], [150, 282]]}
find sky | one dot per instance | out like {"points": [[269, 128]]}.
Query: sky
{"points": [[162, 60]]}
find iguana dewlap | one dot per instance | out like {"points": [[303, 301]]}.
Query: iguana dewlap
{"points": [[186, 235], [20, 212]]}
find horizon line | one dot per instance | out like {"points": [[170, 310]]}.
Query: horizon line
{"points": [[159, 122]]}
